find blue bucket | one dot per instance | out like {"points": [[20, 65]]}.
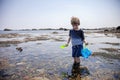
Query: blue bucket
{"points": [[86, 52]]}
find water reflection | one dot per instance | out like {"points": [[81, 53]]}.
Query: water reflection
{"points": [[78, 72]]}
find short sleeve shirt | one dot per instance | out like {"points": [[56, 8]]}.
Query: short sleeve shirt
{"points": [[77, 37]]}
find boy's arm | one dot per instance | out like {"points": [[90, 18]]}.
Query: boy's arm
{"points": [[68, 41], [83, 37], [86, 43]]}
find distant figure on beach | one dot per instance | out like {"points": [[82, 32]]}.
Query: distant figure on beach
{"points": [[76, 36]]}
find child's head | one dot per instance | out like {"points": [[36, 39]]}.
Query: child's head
{"points": [[75, 22]]}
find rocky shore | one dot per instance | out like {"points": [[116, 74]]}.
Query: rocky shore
{"points": [[37, 56]]}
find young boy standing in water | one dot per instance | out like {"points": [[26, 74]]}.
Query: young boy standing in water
{"points": [[76, 36]]}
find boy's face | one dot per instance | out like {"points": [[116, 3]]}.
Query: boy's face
{"points": [[75, 26]]}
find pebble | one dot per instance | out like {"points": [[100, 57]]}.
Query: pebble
{"points": [[20, 63], [39, 78], [41, 71]]}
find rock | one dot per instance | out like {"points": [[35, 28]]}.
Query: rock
{"points": [[35, 38], [115, 44], [26, 78], [7, 29], [4, 63], [21, 63], [39, 43], [10, 35], [4, 45], [106, 30], [11, 65], [39, 78], [41, 71], [110, 49], [63, 29], [98, 62], [86, 78], [118, 29], [54, 32], [58, 39], [19, 49], [10, 42]]}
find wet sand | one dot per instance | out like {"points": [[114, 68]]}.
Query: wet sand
{"points": [[42, 59]]}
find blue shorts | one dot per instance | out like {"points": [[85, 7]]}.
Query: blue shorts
{"points": [[76, 50]]}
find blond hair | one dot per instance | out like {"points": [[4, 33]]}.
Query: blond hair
{"points": [[75, 20]]}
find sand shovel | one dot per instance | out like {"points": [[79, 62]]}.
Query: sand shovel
{"points": [[63, 46]]}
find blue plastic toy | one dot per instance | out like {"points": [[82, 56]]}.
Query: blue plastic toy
{"points": [[86, 52]]}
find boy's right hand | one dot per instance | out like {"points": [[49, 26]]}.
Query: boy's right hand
{"points": [[66, 44]]}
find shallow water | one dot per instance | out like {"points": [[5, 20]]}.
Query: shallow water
{"points": [[44, 60]]}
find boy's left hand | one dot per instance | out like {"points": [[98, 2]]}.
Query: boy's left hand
{"points": [[86, 43]]}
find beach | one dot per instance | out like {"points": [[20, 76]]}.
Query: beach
{"points": [[36, 55]]}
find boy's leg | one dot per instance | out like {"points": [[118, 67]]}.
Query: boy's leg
{"points": [[74, 68], [78, 62], [75, 63], [74, 59]]}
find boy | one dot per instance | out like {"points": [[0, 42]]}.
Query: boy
{"points": [[76, 36]]}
